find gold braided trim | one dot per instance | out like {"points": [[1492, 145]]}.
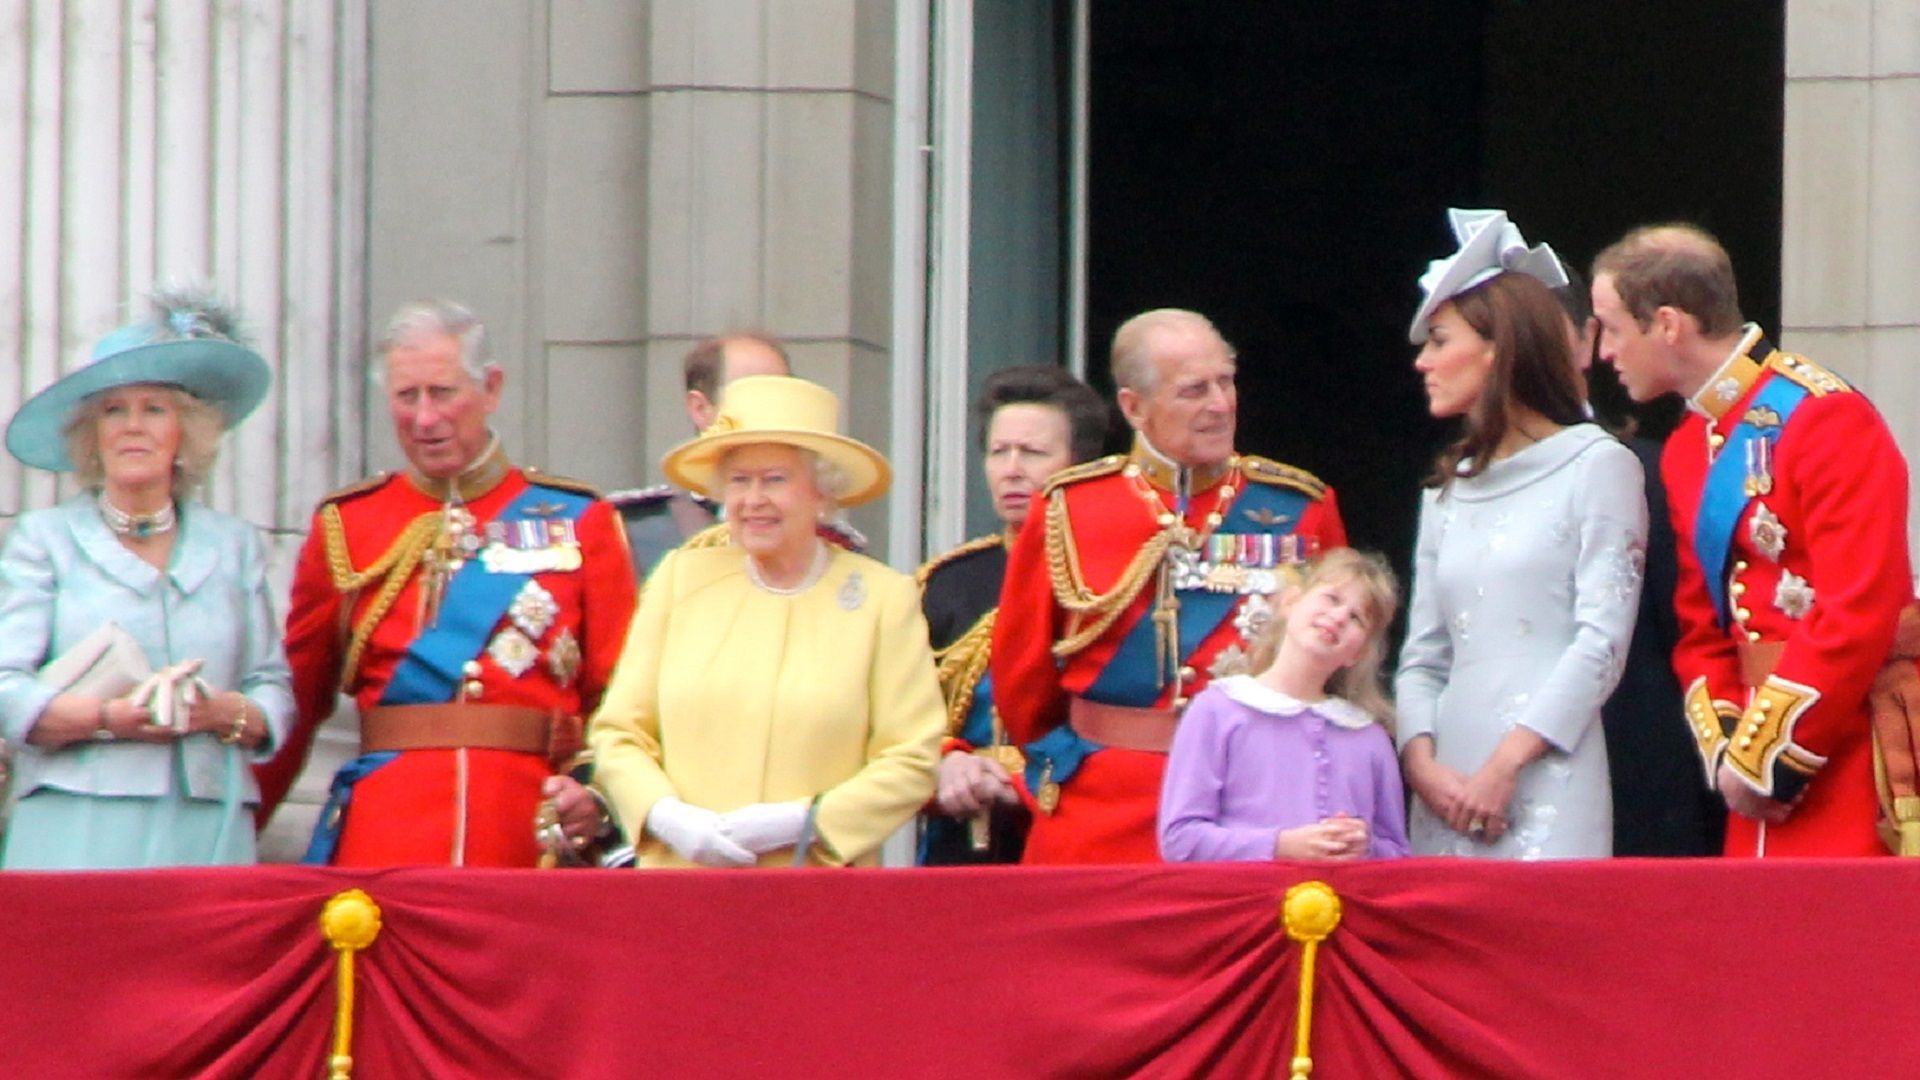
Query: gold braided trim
{"points": [[978, 543], [1817, 380], [397, 564], [1268, 471], [1089, 614], [960, 666]]}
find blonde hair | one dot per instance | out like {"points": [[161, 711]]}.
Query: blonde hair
{"points": [[1358, 682], [201, 425]]}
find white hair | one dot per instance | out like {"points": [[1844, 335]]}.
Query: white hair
{"points": [[444, 317]]}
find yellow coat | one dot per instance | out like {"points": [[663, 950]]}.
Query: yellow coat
{"points": [[727, 695]]}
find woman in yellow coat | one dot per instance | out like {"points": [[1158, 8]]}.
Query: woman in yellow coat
{"points": [[776, 694]]}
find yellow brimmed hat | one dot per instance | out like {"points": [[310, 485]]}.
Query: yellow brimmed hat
{"points": [[785, 410]]}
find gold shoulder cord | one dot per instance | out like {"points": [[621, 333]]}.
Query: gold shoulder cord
{"points": [[961, 664], [1091, 613], [398, 563]]}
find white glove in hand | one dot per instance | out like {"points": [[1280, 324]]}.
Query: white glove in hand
{"points": [[697, 835], [763, 827]]}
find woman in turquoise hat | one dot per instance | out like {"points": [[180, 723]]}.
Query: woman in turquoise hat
{"points": [[140, 661]]}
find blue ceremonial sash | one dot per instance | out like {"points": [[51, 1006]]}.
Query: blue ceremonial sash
{"points": [[1062, 748], [1131, 675], [475, 599], [977, 728], [333, 816], [1723, 498]]}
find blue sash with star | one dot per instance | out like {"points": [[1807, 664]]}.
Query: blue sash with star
{"points": [[1725, 496], [475, 599]]}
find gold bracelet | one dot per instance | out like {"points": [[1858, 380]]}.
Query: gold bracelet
{"points": [[233, 735]]}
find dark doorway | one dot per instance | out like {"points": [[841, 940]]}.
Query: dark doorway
{"points": [[1285, 168]]}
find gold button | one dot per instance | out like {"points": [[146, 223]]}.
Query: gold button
{"points": [[1742, 614], [1167, 519], [1763, 705], [1739, 566], [1130, 471], [1187, 674], [471, 669], [1716, 440], [1745, 742], [1739, 588], [1753, 635], [1226, 492], [474, 688], [1179, 703]]}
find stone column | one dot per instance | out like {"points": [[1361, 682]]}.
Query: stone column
{"points": [[1850, 253]]}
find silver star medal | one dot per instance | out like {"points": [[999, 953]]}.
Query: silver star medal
{"points": [[1769, 536], [1793, 595], [563, 656], [513, 651], [533, 610]]}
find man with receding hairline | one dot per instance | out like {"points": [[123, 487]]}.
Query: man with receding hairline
{"points": [[1789, 506], [662, 517], [1140, 577]]}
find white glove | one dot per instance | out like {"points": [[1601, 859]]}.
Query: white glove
{"points": [[763, 827], [697, 835]]}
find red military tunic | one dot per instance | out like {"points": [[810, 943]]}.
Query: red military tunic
{"points": [[1088, 543], [467, 806], [1815, 573]]}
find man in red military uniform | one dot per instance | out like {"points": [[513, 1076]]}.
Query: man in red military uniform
{"points": [[1789, 501], [1147, 575], [474, 610]]}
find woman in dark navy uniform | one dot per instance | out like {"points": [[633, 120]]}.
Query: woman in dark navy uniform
{"points": [[1034, 421]]}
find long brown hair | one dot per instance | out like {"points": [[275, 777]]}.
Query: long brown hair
{"points": [[1358, 682], [1532, 369]]}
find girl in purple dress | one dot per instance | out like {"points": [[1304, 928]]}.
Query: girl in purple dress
{"points": [[1293, 762]]}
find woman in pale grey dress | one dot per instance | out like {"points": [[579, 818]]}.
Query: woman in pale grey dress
{"points": [[1527, 572]]}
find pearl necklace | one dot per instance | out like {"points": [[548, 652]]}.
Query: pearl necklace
{"points": [[138, 526], [814, 573]]}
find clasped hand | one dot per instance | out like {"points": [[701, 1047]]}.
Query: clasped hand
{"points": [[725, 841], [1339, 837], [969, 783], [1748, 803]]}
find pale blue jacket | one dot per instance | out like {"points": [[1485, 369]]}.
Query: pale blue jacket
{"points": [[63, 574]]}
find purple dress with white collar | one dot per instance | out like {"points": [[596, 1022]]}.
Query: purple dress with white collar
{"points": [[1248, 762]]}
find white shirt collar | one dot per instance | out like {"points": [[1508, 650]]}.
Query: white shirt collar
{"points": [[1255, 695]]}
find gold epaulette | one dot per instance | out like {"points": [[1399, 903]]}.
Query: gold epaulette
{"points": [[978, 543], [712, 536], [1086, 470], [959, 668], [545, 479], [358, 487], [1268, 471], [1816, 379]]}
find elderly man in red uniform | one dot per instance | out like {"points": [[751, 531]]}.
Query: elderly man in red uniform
{"points": [[1148, 574], [1789, 501], [473, 609]]}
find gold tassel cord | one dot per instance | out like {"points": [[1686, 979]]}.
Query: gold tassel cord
{"points": [[397, 563], [1091, 613], [349, 922], [1310, 913]]}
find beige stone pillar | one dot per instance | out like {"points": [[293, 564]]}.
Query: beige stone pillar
{"points": [[1850, 250]]}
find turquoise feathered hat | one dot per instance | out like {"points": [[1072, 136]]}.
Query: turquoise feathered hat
{"points": [[189, 340]]}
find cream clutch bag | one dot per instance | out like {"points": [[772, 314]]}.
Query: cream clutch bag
{"points": [[108, 663]]}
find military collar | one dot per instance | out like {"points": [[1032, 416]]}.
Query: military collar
{"points": [[1166, 474], [1730, 382], [475, 480]]}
